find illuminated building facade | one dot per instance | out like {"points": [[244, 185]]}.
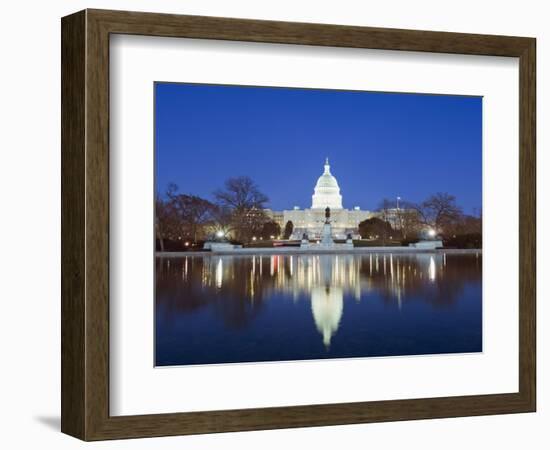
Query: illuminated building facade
{"points": [[326, 193]]}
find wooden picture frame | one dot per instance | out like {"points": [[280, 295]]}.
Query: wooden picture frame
{"points": [[85, 224]]}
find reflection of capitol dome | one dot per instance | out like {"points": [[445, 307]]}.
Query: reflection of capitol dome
{"points": [[327, 305], [327, 191]]}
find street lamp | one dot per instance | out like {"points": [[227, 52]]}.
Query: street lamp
{"points": [[431, 232], [399, 220], [219, 234]]}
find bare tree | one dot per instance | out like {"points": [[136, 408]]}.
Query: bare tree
{"points": [[407, 218], [222, 220], [439, 211], [193, 212], [164, 221], [243, 197], [465, 225], [190, 212], [241, 194], [385, 214]]}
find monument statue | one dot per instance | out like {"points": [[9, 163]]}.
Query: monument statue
{"points": [[326, 239]]}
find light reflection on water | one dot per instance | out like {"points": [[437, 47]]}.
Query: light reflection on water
{"points": [[213, 309]]}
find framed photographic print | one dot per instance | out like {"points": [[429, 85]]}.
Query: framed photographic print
{"points": [[271, 224]]}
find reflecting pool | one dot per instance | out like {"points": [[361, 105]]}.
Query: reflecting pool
{"points": [[225, 309]]}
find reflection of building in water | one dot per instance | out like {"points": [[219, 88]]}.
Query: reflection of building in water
{"points": [[300, 274], [327, 305], [327, 280]]}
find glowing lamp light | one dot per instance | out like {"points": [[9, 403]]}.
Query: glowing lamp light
{"points": [[253, 238], [187, 244], [219, 234], [431, 232]]}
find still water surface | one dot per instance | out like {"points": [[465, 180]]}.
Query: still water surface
{"points": [[225, 309]]}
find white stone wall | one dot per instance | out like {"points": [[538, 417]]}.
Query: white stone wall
{"points": [[311, 221]]}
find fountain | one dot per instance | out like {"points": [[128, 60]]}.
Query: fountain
{"points": [[326, 242]]}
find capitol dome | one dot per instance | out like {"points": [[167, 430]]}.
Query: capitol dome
{"points": [[326, 192]]}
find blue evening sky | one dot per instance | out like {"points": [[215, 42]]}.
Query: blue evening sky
{"points": [[380, 145]]}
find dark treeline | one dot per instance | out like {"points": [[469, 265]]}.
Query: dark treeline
{"points": [[237, 213], [245, 288], [438, 216]]}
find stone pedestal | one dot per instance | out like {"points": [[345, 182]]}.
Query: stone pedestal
{"points": [[219, 246], [428, 245], [326, 239]]}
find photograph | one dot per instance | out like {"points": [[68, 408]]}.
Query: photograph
{"points": [[298, 224]]}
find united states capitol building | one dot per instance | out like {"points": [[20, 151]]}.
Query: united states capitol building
{"points": [[310, 221]]}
